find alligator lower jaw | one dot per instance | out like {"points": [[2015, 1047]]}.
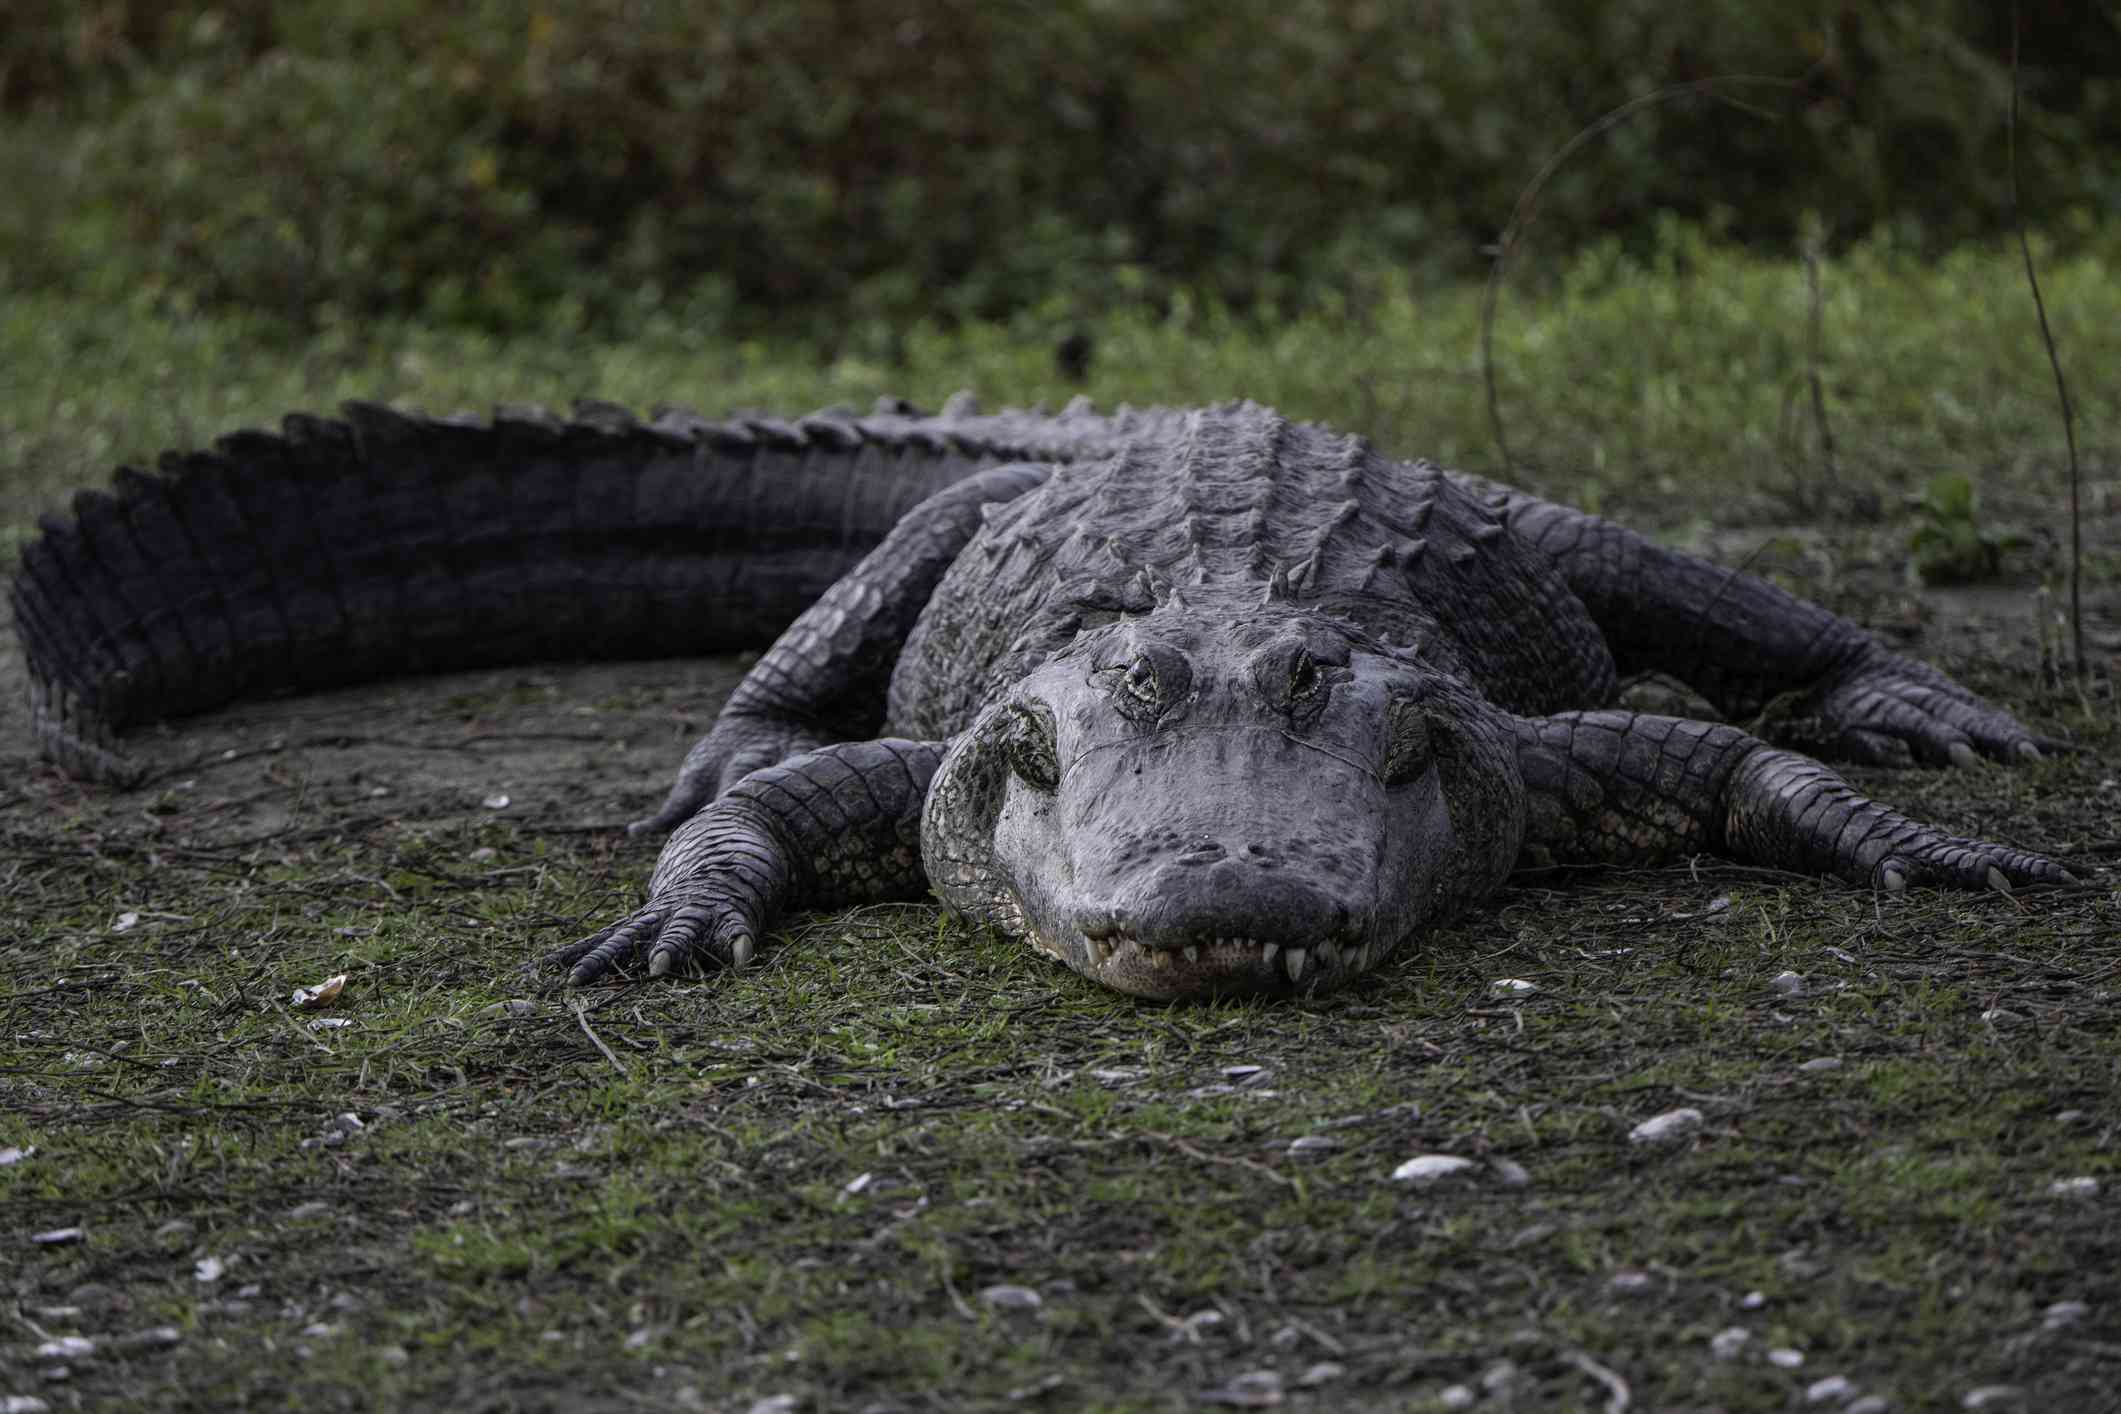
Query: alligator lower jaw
{"points": [[1228, 964]]}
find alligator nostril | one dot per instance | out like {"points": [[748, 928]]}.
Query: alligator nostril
{"points": [[1203, 852]]}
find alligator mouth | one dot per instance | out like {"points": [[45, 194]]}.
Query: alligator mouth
{"points": [[1234, 958]]}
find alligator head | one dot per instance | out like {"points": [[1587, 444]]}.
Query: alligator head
{"points": [[1223, 799]]}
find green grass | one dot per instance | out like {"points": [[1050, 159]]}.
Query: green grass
{"points": [[808, 1179], [1672, 390]]}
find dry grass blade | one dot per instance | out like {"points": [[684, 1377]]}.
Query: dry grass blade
{"points": [[2054, 363]]}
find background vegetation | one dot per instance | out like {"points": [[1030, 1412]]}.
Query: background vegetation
{"points": [[840, 167]]}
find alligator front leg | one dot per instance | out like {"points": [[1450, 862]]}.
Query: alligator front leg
{"points": [[1628, 788], [825, 829], [825, 678]]}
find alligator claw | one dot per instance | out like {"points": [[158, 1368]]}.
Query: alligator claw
{"points": [[1961, 754]]}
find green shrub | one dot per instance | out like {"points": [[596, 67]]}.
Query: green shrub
{"points": [[857, 163]]}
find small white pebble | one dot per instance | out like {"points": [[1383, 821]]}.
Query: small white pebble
{"points": [[2069, 1117], [57, 1237], [1752, 1301], [1313, 1144], [1784, 1358], [1820, 1063], [1787, 984], [2082, 1187], [1513, 987], [1456, 1397], [2001, 1016], [1833, 1387], [1509, 1173], [1870, 1404], [1428, 1168], [66, 1347], [1629, 1282], [1726, 1343], [495, 802], [1010, 1298], [1666, 1128], [1989, 1397], [1323, 1372], [2064, 1313]]}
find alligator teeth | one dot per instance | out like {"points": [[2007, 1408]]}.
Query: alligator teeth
{"points": [[1193, 952], [1293, 963], [1158, 958], [1329, 955], [1266, 953], [1360, 958]]}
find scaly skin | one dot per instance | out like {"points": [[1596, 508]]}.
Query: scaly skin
{"points": [[1195, 702]]}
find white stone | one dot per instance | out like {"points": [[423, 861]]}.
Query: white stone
{"points": [[1428, 1168], [1667, 1128], [1010, 1298]]}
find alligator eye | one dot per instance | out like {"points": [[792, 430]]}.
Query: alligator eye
{"points": [[1291, 677], [1304, 677], [1028, 739], [1151, 685], [1407, 747]]}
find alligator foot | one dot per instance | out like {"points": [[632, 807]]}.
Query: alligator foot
{"points": [[830, 827], [1886, 710]]}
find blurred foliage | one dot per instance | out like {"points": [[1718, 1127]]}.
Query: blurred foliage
{"points": [[1953, 543], [840, 167]]}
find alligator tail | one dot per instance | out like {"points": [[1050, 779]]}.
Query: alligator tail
{"points": [[337, 551]]}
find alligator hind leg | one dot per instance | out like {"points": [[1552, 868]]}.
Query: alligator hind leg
{"points": [[1628, 788], [831, 827], [825, 678], [1743, 643]]}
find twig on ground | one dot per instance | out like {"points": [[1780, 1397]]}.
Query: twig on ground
{"points": [[1618, 1395], [581, 1014]]}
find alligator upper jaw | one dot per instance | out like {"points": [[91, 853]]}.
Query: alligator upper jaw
{"points": [[1221, 966]]}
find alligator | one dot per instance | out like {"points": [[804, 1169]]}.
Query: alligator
{"points": [[1195, 701]]}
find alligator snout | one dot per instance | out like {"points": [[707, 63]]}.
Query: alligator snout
{"points": [[1217, 918], [1207, 894]]}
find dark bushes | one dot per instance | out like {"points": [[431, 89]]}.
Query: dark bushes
{"points": [[828, 159]]}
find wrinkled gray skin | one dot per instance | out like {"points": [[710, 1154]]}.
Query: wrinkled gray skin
{"points": [[1195, 702]]}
